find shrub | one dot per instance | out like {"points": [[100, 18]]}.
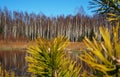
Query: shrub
{"points": [[103, 57], [48, 59]]}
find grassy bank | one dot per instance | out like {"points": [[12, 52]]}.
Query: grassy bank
{"points": [[21, 45]]}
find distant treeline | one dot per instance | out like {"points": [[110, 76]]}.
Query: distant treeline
{"points": [[22, 25]]}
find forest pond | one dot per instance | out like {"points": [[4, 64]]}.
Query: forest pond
{"points": [[14, 61]]}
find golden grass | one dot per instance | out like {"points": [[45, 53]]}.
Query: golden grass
{"points": [[10, 45]]}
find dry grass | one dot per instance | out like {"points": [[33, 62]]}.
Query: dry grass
{"points": [[76, 46], [5, 45], [13, 45]]}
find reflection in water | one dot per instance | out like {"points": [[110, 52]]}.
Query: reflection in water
{"points": [[14, 61]]}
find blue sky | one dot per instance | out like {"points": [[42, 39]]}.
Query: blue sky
{"points": [[47, 7]]}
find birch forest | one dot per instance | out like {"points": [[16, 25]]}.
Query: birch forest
{"points": [[22, 25]]}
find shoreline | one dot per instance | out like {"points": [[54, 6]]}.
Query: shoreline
{"points": [[23, 45]]}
